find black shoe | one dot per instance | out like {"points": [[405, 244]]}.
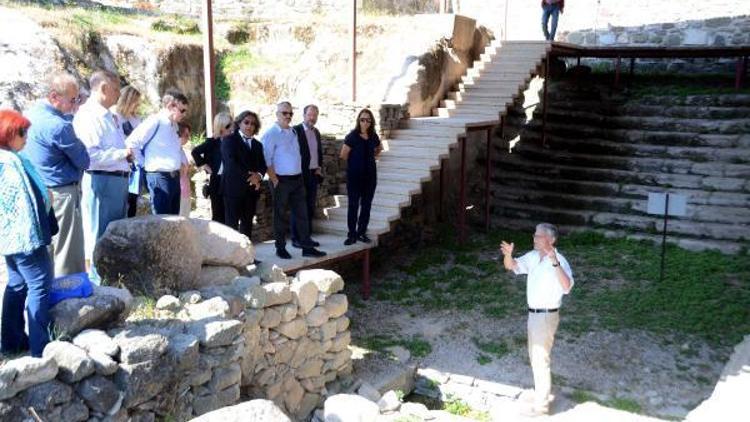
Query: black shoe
{"points": [[296, 244], [350, 241], [283, 254], [364, 238], [313, 252], [314, 243], [257, 262]]}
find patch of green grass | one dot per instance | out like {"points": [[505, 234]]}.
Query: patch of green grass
{"points": [[231, 62], [459, 407], [580, 396], [495, 348], [177, 24], [628, 405], [483, 359], [417, 346], [144, 308]]}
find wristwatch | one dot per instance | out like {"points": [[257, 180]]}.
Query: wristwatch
{"points": [[556, 265]]}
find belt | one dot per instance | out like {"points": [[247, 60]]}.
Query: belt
{"points": [[294, 177], [542, 311], [109, 173], [173, 173]]}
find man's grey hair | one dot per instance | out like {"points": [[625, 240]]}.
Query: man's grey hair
{"points": [[172, 95], [102, 76], [548, 228], [283, 103], [309, 106], [58, 82]]}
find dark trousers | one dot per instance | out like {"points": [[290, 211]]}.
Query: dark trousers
{"points": [[132, 204], [290, 193], [311, 195], [164, 188], [360, 190], [239, 213], [29, 278], [217, 199]]}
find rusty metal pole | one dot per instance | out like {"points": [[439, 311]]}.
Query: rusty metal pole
{"points": [[354, 51], [544, 104], [487, 180], [209, 76], [462, 193], [618, 66]]}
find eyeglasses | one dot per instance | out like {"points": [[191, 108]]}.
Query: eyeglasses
{"points": [[182, 110], [365, 120], [287, 113], [227, 127], [22, 132]]}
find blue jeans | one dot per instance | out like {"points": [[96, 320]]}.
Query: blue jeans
{"points": [[29, 278], [548, 10], [105, 199], [164, 190]]}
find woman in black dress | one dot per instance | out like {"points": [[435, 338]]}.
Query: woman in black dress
{"points": [[208, 154], [361, 148]]}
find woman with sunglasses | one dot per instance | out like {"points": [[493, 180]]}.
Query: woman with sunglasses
{"points": [[126, 112], [361, 148], [208, 155], [26, 228]]}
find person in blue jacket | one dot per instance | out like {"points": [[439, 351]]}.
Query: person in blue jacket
{"points": [[26, 228], [361, 148]]}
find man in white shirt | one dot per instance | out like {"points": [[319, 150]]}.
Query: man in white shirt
{"points": [[105, 183], [282, 153], [549, 278], [159, 151]]}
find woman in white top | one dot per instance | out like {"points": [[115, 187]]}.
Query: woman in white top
{"points": [[126, 113]]}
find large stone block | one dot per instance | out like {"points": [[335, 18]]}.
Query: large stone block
{"points": [[293, 329], [96, 341], [140, 344], [327, 281], [106, 306], [277, 293], [350, 408], [221, 245], [305, 294], [141, 382], [73, 362], [259, 410], [99, 393], [212, 275], [214, 333], [152, 254], [336, 305], [19, 374]]}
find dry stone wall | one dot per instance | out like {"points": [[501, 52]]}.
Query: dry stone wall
{"points": [[263, 336]]}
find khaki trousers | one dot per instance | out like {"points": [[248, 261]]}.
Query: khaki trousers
{"points": [[66, 249], [541, 332]]}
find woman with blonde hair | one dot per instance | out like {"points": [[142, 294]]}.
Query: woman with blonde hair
{"points": [[208, 155], [126, 113]]}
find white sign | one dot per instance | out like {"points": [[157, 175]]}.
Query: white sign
{"points": [[677, 203]]}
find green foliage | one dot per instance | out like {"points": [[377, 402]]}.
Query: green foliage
{"points": [[144, 308], [458, 407], [497, 349], [628, 405], [483, 359], [580, 396], [177, 24], [231, 62]]}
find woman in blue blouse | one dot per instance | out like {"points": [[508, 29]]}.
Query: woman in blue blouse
{"points": [[361, 147], [25, 229]]}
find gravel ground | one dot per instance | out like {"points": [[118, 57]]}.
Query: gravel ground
{"points": [[667, 377]]}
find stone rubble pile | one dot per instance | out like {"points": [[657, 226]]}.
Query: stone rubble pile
{"points": [[263, 336]]}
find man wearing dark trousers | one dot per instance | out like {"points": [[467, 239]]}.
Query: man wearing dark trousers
{"points": [[312, 159], [282, 153], [244, 168]]}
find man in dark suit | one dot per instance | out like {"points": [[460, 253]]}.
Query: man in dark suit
{"points": [[312, 160], [244, 168]]}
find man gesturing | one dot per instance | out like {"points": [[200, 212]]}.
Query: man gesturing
{"points": [[549, 278]]}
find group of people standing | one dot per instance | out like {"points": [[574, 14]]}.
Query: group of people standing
{"points": [[291, 157], [71, 165], [66, 167]]}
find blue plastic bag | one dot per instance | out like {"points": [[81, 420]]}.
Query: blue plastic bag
{"points": [[70, 286]]}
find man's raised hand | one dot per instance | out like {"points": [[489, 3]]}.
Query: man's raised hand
{"points": [[506, 248]]}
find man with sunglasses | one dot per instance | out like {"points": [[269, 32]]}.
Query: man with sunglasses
{"points": [[159, 151], [282, 152], [311, 153], [60, 157], [105, 182]]}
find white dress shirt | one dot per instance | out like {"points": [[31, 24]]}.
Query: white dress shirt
{"points": [[543, 289], [312, 144], [281, 150], [98, 129], [164, 151]]}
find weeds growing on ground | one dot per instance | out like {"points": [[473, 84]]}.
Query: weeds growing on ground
{"points": [[706, 294]]}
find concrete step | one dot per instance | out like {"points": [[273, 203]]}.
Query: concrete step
{"points": [[654, 137], [392, 188], [596, 146], [382, 202], [376, 215], [658, 122], [725, 100], [396, 163], [408, 153], [338, 227], [514, 162], [609, 108]]}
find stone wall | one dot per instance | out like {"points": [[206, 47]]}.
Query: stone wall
{"points": [[263, 336]]}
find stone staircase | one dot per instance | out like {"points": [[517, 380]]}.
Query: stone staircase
{"points": [[604, 153], [412, 152]]}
